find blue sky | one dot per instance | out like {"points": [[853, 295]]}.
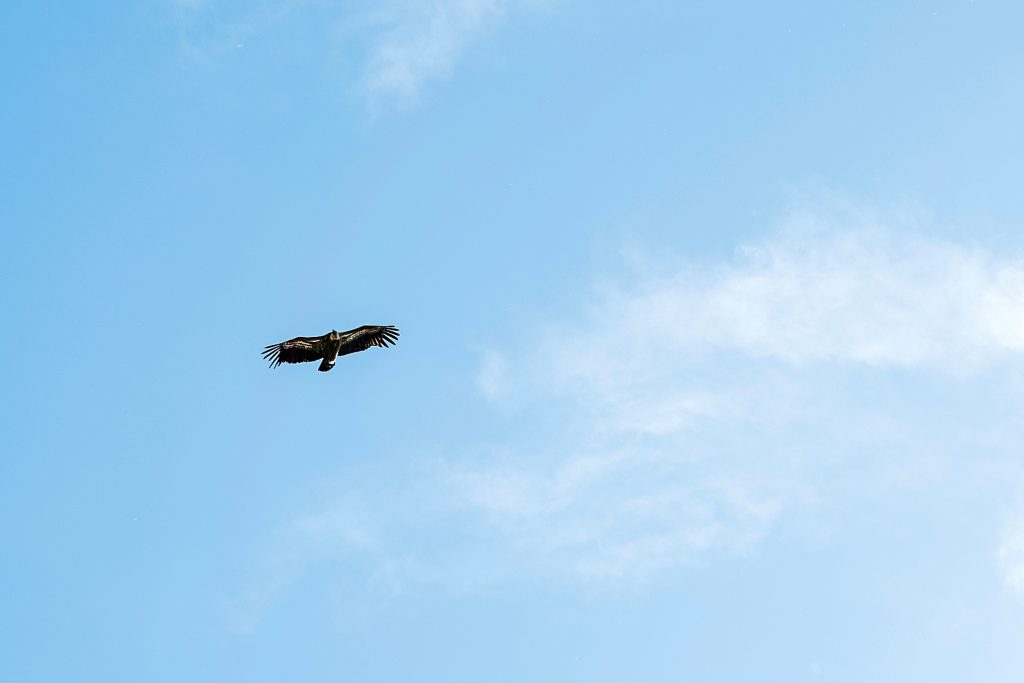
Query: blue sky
{"points": [[711, 360]]}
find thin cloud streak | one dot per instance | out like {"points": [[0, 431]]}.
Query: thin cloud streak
{"points": [[420, 42], [1011, 558], [405, 44]]}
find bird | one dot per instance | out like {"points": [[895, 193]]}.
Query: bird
{"points": [[327, 347]]}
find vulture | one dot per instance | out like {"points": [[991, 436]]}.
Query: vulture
{"points": [[327, 347]]}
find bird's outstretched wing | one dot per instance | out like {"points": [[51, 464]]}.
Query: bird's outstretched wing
{"points": [[298, 350], [362, 338]]}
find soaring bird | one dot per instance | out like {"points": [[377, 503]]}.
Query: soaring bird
{"points": [[327, 347]]}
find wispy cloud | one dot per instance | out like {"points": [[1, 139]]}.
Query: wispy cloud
{"points": [[1011, 555], [861, 296], [304, 542], [419, 42], [617, 516], [662, 351]]}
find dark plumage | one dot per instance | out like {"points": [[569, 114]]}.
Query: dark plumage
{"points": [[326, 348]]}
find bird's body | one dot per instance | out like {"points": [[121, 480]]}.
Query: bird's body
{"points": [[327, 347]]}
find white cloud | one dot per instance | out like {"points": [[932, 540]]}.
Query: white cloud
{"points": [[422, 41], [492, 377], [663, 352], [862, 296], [1011, 558]]}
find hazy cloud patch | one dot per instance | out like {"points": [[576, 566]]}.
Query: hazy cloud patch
{"points": [[1011, 557], [421, 41]]}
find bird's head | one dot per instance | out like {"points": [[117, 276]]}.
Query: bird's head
{"points": [[335, 336]]}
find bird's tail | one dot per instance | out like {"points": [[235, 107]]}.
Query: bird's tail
{"points": [[325, 365]]}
